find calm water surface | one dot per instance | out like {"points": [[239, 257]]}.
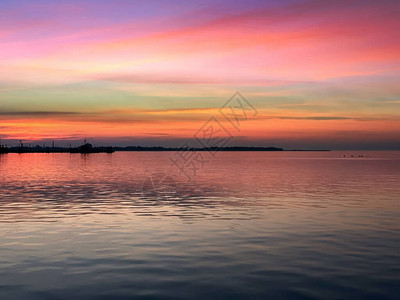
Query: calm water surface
{"points": [[291, 225]]}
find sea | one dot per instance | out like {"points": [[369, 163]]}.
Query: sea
{"points": [[200, 225]]}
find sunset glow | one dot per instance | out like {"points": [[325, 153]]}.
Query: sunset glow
{"points": [[322, 74]]}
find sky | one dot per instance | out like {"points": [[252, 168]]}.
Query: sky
{"points": [[321, 74]]}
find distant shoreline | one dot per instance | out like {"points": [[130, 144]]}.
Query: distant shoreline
{"points": [[147, 149], [213, 149]]}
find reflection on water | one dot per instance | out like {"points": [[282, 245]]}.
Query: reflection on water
{"points": [[253, 224]]}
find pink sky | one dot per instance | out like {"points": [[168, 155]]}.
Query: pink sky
{"points": [[320, 73]]}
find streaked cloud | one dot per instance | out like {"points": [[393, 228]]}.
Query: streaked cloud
{"points": [[159, 69]]}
